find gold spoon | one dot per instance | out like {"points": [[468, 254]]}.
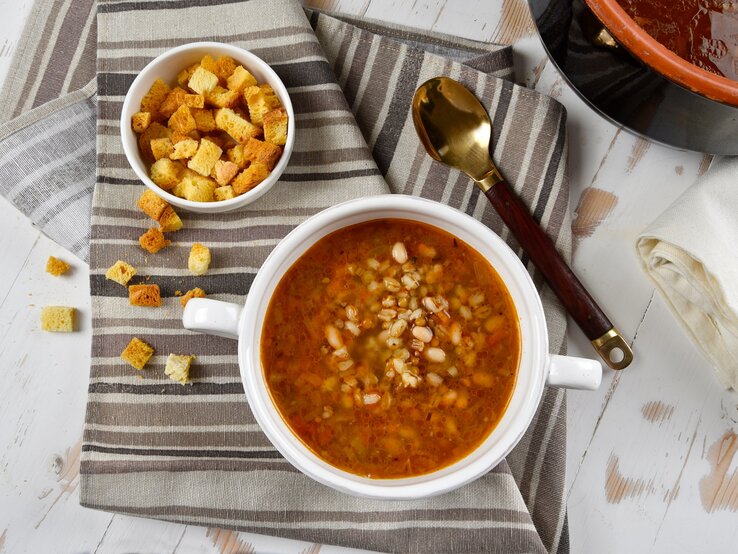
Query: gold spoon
{"points": [[455, 129]]}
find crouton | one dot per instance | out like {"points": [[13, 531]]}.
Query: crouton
{"points": [[222, 97], [267, 153], [120, 272], [147, 296], [224, 193], [150, 204], [184, 149], [197, 292], [152, 100], [203, 119], [236, 156], [173, 101], [184, 76], [57, 319], [202, 81], [56, 267], [204, 159], [209, 64], [169, 220], [140, 121], [176, 136], [178, 368], [275, 126], [161, 148], [199, 260], [224, 171], [154, 131], [260, 100], [236, 126], [226, 67], [194, 101], [153, 240], [198, 188], [166, 173], [240, 79], [182, 120], [137, 353], [249, 177]]}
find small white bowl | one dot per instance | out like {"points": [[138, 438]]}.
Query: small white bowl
{"points": [[166, 67], [537, 367]]}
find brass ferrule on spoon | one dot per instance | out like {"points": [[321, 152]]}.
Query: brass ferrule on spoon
{"points": [[456, 130]]}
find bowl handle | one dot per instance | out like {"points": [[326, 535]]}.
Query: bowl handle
{"points": [[574, 373], [212, 317]]}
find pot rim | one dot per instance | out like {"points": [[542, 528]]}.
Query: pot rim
{"points": [[659, 58]]}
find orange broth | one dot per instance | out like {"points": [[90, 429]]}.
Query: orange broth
{"points": [[391, 348]]}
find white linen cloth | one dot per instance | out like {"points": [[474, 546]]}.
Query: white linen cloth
{"points": [[691, 253]]}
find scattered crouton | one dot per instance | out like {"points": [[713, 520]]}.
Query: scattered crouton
{"points": [[240, 79], [204, 159], [199, 260], [137, 353], [184, 149], [182, 121], [153, 240], [120, 272], [260, 100], [166, 173], [140, 121], [178, 368], [236, 126], [162, 148], [202, 81], [169, 221], [150, 204], [224, 171], [56, 267], [275, 126], [152, 100], [256, 150], [147, 296], [57, 319], [197, 292], [250, 177]]}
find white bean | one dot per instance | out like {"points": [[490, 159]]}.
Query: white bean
{"points": [[435, 355], [399, 253], [333, 337], [371, 398], [353, 328], [423, 333]]}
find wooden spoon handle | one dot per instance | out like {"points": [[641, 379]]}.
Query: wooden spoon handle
{"points": [[577, 301]]}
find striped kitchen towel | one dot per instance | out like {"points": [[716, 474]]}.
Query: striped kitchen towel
{"points": [[195, 454]]}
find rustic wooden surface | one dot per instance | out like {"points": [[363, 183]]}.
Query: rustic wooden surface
{"points": [[651, 463]]}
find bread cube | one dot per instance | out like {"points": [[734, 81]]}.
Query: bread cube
{"points": [[199, 260], [204, 159], [197, 292], [57, 319], [198, 188], [184, 76], [224, 193], [224, 172], [178, 368], [236, 156], [236, 126], [120, 272], [210, 64], [150, 204], [153, 240], [226, 67], [202, 81], [147, 296], [169, 220], [154, 131], [184, 149], [173, 101], [161, 148], [222, 97], [250, 177], [137, 353], [152, 100], [203, 119], [182, 120], [140, 121], [166, 173], [275, 126], [240, 79], [194, 101], [56, 267], [176, 136], [256, 150], [260, 100]]}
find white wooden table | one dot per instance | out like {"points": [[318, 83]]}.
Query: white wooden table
{"points": [[651, 463]]}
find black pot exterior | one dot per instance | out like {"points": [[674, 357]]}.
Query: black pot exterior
{"points": [[627, 92]]}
